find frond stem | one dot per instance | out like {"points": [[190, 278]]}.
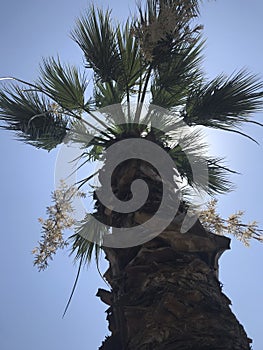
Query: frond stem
{"points": [[141, 101], [74, 287]]}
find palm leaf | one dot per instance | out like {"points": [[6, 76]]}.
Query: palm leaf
{"points": [[107, 94], [36, 120], [217, 181], [218, 176], [64, 84], [84, 250], [131, 65], [190, 151], [87, 239], [225, 103], [176, 77], [97, 39], [84, 137], [73, 288]]}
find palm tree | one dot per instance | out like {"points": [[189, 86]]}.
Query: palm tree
{"points": [[164, 289]]}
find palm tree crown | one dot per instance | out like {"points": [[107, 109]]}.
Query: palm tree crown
{"points": [[154, 60]]}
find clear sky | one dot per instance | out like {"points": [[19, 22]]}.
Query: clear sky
{"points": [[32, 303]]}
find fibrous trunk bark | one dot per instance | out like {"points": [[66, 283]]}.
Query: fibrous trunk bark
{"points": [[165, 295]]}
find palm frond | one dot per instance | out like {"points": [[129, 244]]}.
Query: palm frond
{"points": [[176, 77], [225, 103], [97, 39], [218, 176], [107, 94], [215, 178], [87, 239], [35, 119], [84, 250], [188, 150], [64, 83], [73, 288], [161, 97], [131, 64], [189, 153], [84, 137], [169, 122]]}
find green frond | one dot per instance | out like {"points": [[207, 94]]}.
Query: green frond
{"points": [[225, 103], [163, 98], [191, 142], [188, 149], [87, 240], [95, 153], [191, 150], [36, 120], [218, 176], [176, 77], [64, 84], [107, 94], [84, 250], [81, 135], [131, 64], [113, 54], [216, 181], [182, 67], [168, 122], [97, 39], [73, 288]]}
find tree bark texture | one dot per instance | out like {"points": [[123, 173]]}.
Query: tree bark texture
{"points": [[165, 295]]}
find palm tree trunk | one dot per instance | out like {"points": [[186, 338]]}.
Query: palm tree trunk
{"points": [[165, 295]]}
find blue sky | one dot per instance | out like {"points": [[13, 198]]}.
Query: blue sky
{"points": [[32, 303]]}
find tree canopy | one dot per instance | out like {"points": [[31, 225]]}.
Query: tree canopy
{"points": [[154, 59]]}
